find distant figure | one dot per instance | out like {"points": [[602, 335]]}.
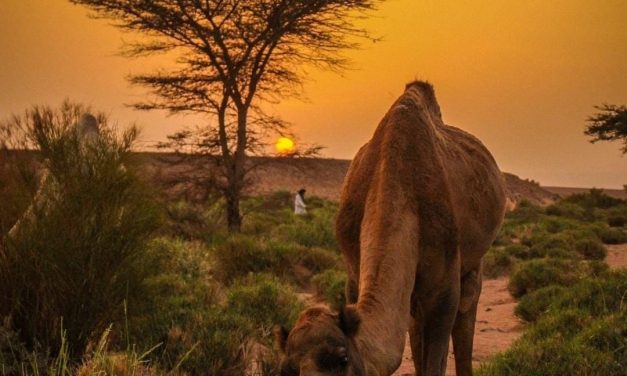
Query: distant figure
{"points": [[88, 132], [299, 203]]}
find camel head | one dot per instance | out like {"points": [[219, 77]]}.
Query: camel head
{"points": [[321, 344], [87, 129]]}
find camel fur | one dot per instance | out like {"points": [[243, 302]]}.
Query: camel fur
{"points": [[420, 206]]}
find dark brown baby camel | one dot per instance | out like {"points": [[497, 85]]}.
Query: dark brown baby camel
{"points": [[421, 204]]}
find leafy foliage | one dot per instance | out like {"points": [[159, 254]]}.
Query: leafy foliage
{"points": [[609, 124], [80, 247]]}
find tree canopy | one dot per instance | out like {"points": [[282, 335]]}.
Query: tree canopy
{"points": [[231, 57], [609, 124]]}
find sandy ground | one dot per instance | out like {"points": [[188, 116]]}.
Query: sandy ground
{"points": [[497, 326], [617, 256]]}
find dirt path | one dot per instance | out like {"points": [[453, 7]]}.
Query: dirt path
{"points": [[617, 256], [497, 327]]}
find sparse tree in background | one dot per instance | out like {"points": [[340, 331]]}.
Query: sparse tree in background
{"points": [[232, 57], [609, 124]]}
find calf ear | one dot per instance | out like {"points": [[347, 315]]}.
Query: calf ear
{"points": [[280, 335], [349, 320]]}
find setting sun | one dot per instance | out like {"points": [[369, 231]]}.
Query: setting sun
{"points": [[284, 146]]}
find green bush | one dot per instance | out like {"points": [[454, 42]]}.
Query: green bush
{"points": [[240, 255], [609, 336], [221, 338], [213, 343], [185, 220], [535, 274], [331, 285], [613, 235], [173, 300], [518, 251], [554, 245], [265, 301], [579, 330], [551, 357], [595, 198], [317, 260], [617, 220], [591, 249], [81, 248], [566, 209], [554, 225], [496, 262], [315, 230], [202, 327], [525, 212], [537, 302]]}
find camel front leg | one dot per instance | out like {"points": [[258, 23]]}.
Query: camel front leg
{"points": [[464, 328], [416, 340], [437, 332]]}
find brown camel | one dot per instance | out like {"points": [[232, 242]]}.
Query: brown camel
{"points": [[421, 204]]}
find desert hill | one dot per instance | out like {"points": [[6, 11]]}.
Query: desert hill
{"points": [[323, 177]]}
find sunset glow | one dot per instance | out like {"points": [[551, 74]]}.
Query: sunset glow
{"points": [[284, 146], [522, 76]]}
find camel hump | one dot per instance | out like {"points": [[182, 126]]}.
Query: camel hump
{"points": [[421, 95]]}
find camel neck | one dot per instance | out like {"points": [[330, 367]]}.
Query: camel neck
{"points": [[387, 277]]}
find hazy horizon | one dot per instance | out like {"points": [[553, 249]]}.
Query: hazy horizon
{"points": [[521, 76]]}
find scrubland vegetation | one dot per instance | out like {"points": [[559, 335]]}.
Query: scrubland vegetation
{"points": [[574, 306], [113, 278]]}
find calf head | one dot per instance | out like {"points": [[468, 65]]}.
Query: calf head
{"points": [[321, 344]]}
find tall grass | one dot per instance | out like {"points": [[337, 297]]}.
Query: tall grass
{"points": [[79, 251]]}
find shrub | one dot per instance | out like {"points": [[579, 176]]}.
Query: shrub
{"points": [[240, 255], [213, 343], [185, 220], [591, 249], [316, 230], [554, 225], [331, 285], [596, 296], [612, 235], [580, 330], [81, 248], [264, 301], [518, 251], [566, 209], [525, 212], [179, 295], [550, 357], [535, 274], [617, 220], [537, 302], [221, 338], [496, 263], [555, 245], [609, 336], [595, 198], [317, 260]]}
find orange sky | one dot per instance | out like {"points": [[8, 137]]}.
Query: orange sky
{"points": [[520, 75]]}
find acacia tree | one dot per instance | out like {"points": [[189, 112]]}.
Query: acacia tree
{"points": [[232, 57], [609, 124]]}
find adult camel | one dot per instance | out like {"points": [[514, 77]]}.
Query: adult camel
{"points": [[421, 204]]}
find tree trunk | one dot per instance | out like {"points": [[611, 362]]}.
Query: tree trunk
{"points": [[237, 173], [233, 216]]}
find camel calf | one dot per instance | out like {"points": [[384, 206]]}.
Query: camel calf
{"points": [[421, 204]]}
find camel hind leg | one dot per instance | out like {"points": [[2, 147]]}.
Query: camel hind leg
{"points": [[464, 328]]}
